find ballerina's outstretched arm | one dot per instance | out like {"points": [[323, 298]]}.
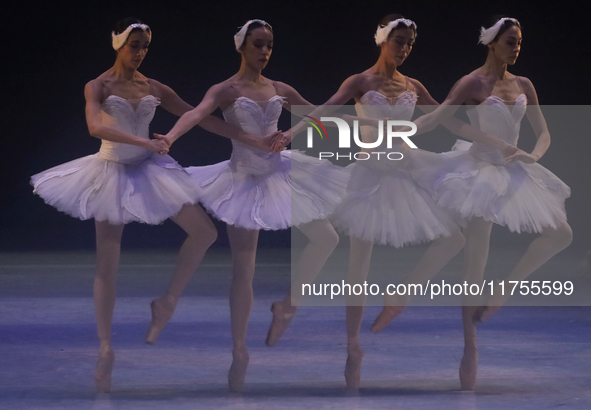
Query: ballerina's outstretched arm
{"points": [[174, 104], [347, 91]]}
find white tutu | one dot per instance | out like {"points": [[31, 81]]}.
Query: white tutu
{"points": [[122, 183], [270, 191], [523, 197], [383, 204], [475, 182], [389, 208], [298, 190]]}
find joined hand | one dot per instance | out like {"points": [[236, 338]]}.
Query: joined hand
{"points": [[280, 141], [165, 140]]}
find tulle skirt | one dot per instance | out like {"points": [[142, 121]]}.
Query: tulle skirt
{"points": [[523, 197], [385, 206], [299, 189], [148, 191]]}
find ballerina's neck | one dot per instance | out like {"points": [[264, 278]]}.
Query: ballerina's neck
{"points": [[385, 68], [494, 67], [123, 72], [248, 73]]}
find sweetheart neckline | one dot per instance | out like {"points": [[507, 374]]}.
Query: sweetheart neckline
{"points": [[390, 98], [503, 101], [266, 102], [134, 107]]}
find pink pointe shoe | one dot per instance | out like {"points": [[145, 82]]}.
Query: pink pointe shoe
{"points": [[104, 367], [237, 372], [280, 322], [494, 303], [484, 312], [468, 369], [162, 310], [388, 314], [353, 368]]}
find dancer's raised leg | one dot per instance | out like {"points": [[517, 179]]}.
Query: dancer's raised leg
{"points": [[322, 240], [201, 235], [544, 247], [437, 255]]}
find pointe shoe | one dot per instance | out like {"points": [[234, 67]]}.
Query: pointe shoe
{"points": [[353, 368], [468, 369], [162, 310], [388, 314], [237, 371], [104, 367], [494, 303], [484, 312], [280, 322]]}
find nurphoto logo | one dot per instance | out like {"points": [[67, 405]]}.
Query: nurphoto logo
{"points": [[345, 138]]}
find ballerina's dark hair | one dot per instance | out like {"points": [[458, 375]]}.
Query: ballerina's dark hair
{"points": [[504, 27]]}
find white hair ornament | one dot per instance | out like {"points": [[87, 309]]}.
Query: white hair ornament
{"points": [[120, 39], [383, 32], [239, 37], [487, 35]]}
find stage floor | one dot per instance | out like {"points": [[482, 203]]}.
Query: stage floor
{"points": [[530, 357]]}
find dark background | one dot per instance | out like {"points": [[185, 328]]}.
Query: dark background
{"points": [[51, 51]]}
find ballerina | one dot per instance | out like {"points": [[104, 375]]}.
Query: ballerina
{"points": [[255, 190], [383, 204], [131, 179], [486, 188]]}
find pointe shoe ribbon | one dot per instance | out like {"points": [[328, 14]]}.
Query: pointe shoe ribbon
{"points": [[280, 322]]}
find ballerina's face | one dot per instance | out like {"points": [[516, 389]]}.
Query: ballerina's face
{"points": [[399, 44], [257, 47], [135, 49], [508, 45]]}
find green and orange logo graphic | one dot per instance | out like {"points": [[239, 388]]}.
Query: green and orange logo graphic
{"points": [[316, 126]]}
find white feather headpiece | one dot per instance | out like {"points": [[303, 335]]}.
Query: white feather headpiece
{"points": [[239, 37], [120, 39], [487, 35], [383, 32]]}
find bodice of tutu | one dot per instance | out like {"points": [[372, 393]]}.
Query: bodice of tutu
{"points": [[374, 104], [259, 119], [133, 119], [497, 119]]}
